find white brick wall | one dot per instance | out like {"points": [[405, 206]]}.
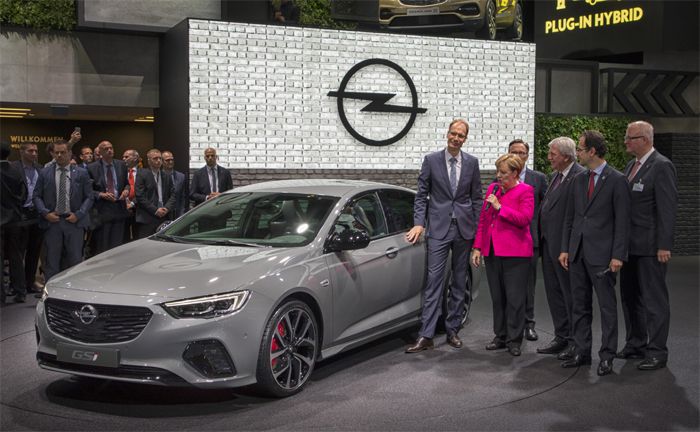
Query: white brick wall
{"points": [[259, 95]]}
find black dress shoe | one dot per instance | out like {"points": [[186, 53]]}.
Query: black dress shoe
{"points": [[553, 347], [628, 353], [423, 343], [514, 350], [568, 353], [576, 361], [495, 344], [605, 367], [454, 341], [531, 334], [651, 363]]}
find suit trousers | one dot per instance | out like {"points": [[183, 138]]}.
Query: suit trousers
{"points": [[144, 230], [23, 246], [583, 281], [64, 247], [110, 233], [558, 289], [645, 303], [438, 251], [505, 276], [531, 283]]}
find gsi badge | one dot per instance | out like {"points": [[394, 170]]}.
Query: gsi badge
{"points": [[84, 355]]}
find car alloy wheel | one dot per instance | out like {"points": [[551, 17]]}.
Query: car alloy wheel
{"points": [[488, 31], [515, 32], [288, 350]]}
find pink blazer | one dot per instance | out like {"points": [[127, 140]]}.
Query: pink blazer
{"points": [[508, 228]]}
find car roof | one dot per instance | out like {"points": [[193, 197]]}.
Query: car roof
{"points": [[329, 187]]}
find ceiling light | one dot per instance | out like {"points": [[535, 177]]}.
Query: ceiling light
{"points": [[15, 109]]}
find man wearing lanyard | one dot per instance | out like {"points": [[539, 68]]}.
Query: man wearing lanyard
{"points": [[155, 196]]}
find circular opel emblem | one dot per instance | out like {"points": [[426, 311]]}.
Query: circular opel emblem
{"points": [[87, 314]]}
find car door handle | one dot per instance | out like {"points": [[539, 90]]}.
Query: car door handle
{"points": [[392, 252]]}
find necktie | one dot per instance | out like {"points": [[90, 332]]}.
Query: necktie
{"points": [[633, 173], [132, 189], [556, 182], [61, 202], [156, 177], [453, 175], [591, 183], [110, 179], [214, 183]]}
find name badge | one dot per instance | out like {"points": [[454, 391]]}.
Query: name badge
{"points": [[637, 187]]}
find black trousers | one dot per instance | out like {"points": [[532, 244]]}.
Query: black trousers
{"points": [[645, 304], [557, 286], [505, 276], [583, 281], [531, 283], [23, 247]]}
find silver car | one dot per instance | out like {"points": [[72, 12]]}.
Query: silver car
{"points": [[252, 287]]}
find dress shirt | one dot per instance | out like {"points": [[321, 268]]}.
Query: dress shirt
{"points": [[598, 171], [31, 174], [159, 186]]}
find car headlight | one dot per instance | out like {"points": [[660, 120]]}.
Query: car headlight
{"points": [[208, 307]]}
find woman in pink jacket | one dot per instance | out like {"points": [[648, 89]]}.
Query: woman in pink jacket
{"points": [[503, 238]]}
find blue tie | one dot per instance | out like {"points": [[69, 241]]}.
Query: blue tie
{"points": [[453, 175]]}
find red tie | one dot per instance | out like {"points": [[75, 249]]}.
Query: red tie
{"points": [[633, 173], [132, 190], [591, 183]]}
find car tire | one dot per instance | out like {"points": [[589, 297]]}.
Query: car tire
{"points": [[288, 350], [467, 300], [488, 29], [515, 31]]}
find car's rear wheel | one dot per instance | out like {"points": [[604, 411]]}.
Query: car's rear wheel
{"points": [[288, 350], [515, 31], [467, 299], [488, 30]]}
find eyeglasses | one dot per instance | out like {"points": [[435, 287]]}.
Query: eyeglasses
{"points": [[519, 153], [579, 149], [630, 138]]}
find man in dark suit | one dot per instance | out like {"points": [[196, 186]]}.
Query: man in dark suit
{"points": [[538, 181], [178, 179], [155, 195], [63, 197], [448, 204], [12, 196], [652, 183], [111, 188], [85, 157], [131, 158], [24, 242], [595, 240], [562, 158], [210, 180]]}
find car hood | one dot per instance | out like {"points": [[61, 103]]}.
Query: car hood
{"points": [[174, 270]]}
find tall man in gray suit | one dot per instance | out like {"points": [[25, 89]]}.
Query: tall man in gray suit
{"points": [[63, 197], [538, 181], [562, 158], [652, 182], [594, 244], [447, 204]]}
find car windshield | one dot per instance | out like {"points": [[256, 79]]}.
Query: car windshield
{"points": [[254, 219]]}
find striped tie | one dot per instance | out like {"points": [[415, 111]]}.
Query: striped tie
{"points": [[61, 203]]}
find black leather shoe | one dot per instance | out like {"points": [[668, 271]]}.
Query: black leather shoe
{"points": [[514, 350], [495, 344], [553, 347], [454, 341], [423, 343], [651, 363], [531, 334], [568, 353], [605, 367], [576, 361], [628, 353]]}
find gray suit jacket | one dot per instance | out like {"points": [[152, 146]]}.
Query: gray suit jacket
{"points": [[653, 211], [538, 181], [81, 195], [435, 204], [599, 226]]}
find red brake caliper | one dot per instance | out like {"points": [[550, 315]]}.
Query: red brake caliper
{"points": [[274, 346]]}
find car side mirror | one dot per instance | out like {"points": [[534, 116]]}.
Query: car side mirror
{"points": [[347, 240]]}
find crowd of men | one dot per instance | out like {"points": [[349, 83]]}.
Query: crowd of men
{"points": [[86, 201]]}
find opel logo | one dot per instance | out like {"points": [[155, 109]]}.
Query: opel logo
{"points": [[378, 102], [87, 314]]}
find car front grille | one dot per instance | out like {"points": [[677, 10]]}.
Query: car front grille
{"points": [[421, 2], [112, 324], [428, 20]]}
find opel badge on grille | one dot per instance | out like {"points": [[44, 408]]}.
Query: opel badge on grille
{"points": [[86, 314]]}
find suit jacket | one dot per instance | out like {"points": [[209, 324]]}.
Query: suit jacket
{"points": [[13, 194], [653, 208], [81, 194], [181, 200], [553, 210], [538, 181], [599, 225], [435, 204], [99, 184], [508, 228], [17, 165], [147, 196], [200, 188]]}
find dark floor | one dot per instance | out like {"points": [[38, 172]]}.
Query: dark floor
{"points": [[378, 387]]}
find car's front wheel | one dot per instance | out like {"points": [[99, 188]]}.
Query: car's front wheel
{"points": [[488, 30], [288, 350], [515, 31]]}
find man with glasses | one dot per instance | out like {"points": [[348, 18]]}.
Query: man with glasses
{"points": [[447, 204], [643, 291], [595, 240], [538, 181]]}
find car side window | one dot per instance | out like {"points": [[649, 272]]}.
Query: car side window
{"points": [[363, 213], [398, 207]]}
